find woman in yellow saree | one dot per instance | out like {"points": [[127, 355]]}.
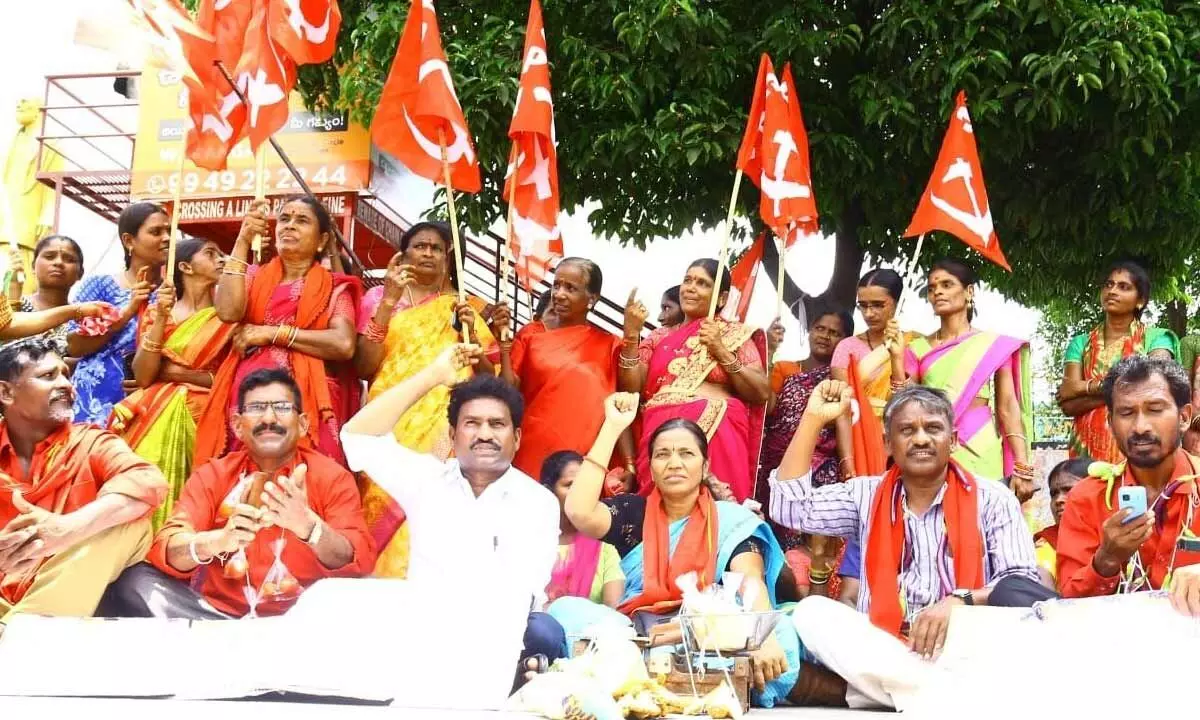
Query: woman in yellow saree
{"points": [[879, 351], [182, 342], [403, 326], [984, 374]]}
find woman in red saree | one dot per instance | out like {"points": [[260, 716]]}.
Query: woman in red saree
{"points": [[183, 342], [564, 370], [295, 314], [708, 371]]}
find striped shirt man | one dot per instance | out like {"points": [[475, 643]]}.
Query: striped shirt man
{"points": [[927, 567]]}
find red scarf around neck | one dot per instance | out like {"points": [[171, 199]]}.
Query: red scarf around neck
{"points": [[885, 542], [696, 552]]}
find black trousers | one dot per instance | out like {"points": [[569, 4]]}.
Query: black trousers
{"points": [[145, 591], [1019, 591]]}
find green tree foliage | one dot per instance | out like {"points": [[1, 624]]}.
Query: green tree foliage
{"points": [[1084, 111]]}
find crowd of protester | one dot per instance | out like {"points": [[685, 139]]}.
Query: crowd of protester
{"points": [[209, 439]]}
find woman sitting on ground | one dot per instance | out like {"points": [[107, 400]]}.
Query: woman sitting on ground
{"points": [[586, 567], [681, 529]]}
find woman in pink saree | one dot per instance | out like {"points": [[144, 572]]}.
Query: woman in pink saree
{"points": [[711, 372], [293, 314]]}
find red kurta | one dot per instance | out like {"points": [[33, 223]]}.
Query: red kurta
{"points": [[1090, 503], [332, 494], [70, 469]]}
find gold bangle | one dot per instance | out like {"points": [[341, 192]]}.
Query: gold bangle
{"points": [[150, 346], [242, 263], [292, 338], [733, 367], [603, 469], [627, 363]]}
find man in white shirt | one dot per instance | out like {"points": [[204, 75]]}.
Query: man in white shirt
{"points": [[478, 526]]}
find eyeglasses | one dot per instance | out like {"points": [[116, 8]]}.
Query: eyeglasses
{"points": [[282, 408]]}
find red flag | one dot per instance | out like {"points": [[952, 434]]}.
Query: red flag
{"points": [[774, 154], [744, 274], [307, 30], [536, 242], [266, 75], [182, 45], [955, 200], [219, 124], [870, 458], [418, 101], [749, 160]]}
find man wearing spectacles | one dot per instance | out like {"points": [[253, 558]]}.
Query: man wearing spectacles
{"points": [[262, 523]]}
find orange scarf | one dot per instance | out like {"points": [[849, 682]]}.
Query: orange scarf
{"points": [[312, 313], [885, 542], [695, 552]]}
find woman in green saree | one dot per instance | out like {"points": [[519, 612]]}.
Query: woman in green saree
{"points": [[985, 375], [1124, 296], [182, 343]]}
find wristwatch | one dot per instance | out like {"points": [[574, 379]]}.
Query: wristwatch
{"points": [[966, 596]]}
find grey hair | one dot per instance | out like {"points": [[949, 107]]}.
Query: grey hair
{"points": [[929, 398]]}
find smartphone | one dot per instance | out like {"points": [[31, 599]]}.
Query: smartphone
{"points": [[1134, 498]]}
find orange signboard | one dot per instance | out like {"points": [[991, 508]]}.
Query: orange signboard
{"points": [[331, 153]]}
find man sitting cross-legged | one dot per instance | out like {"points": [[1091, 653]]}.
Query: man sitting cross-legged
{"points": [[243, 506], [933, 537], [75, 501]]}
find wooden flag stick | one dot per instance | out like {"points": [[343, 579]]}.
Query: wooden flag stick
{"points": [[458, 245], [912, 268], [505, 265], [780, 274], [176, 211], [260, 194], [723, 258]]}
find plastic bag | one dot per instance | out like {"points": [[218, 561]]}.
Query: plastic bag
{"points": [[279, 584], [236, 566]]}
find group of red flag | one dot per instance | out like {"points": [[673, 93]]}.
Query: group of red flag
{"points": [[260, 43], [774, 155], [420, 121]]}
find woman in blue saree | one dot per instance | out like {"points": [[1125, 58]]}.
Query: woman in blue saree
{"points": [[679, 528]]}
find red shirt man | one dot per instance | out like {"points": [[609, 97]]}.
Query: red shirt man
{"points": [[74, 500], [1102, 549], [305, 524]]}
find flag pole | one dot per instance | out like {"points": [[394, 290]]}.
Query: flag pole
{"points": [[912, 268], [287, 161], [723, 258], [458, 245], [176, 211], [260, 194], [505, 265], [780, 274]]}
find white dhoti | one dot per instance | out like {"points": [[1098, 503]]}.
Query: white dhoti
{"points": [[879, 670]]}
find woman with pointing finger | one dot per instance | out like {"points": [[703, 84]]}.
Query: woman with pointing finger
{"points": [[708, 371]]}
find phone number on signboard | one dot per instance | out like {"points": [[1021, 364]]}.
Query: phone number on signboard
{"points": [[226, 181]]}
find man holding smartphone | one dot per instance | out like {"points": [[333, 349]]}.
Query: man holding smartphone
{"points": [[1106, 543]]}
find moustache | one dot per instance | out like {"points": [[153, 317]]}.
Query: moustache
{"points": [[1144, 439], [63, 395], [488, 443], [272, 427]]}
